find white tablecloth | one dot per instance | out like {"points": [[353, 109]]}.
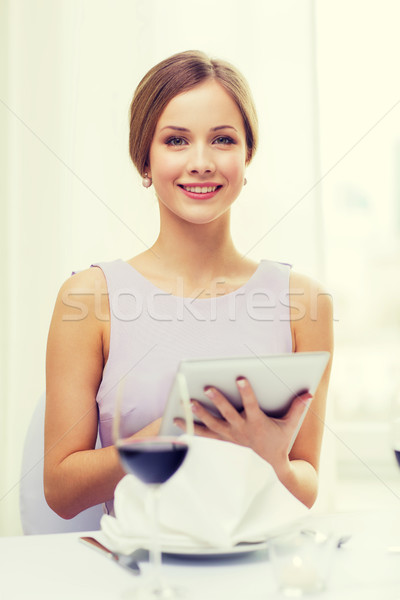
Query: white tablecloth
{"points": [[58, 567]]}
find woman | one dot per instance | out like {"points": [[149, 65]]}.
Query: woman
{"points": [[192, 294]]}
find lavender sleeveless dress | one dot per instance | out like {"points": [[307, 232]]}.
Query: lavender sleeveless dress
{"points": [[152, 331]]}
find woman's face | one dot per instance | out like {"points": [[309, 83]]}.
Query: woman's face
{"points": [[198, 154]]}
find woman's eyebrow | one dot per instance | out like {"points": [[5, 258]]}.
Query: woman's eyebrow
{"points": [[223, 127], [176, 128]]}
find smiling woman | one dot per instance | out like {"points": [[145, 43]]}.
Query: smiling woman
{"points": [[193, 133], [201, 164]]}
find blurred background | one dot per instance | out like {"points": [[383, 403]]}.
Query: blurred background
{"points": [[323, 191]]}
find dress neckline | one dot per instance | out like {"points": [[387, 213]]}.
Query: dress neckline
{"points": [[194, 298]]}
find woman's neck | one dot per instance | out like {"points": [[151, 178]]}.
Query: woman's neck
{"points": [[195, 260], [205, 250]]}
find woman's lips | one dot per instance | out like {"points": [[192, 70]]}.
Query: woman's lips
{"points": [[200, 192]]}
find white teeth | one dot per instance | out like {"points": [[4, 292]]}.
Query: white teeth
{"points": [[199, 190]]}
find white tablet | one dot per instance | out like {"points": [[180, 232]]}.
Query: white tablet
{"points": [[276, 380]]}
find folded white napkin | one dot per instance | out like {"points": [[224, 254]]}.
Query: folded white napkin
{"points": [[223, 494]]}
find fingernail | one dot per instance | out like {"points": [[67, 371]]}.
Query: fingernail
{"points": [[306, 398], [241, 382], [209, 392], [193, 406]]}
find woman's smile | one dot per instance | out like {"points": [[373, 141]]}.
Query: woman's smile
{"points": [[200, 191]]}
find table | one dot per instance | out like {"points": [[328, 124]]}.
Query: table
{"points": [[58, 567]]}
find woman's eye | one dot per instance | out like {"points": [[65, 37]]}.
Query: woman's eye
{"points": [[176, 141], [223, 139]]}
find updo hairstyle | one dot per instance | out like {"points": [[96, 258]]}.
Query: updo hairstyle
{"points": [[175, 75]]}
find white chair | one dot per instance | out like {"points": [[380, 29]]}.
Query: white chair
{"points": [[36, 516]]}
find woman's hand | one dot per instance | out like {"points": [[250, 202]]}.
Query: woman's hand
{"points": [[269, 437]]}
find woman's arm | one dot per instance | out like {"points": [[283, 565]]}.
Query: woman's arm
{"points": [[312, 330], [75, 475]]}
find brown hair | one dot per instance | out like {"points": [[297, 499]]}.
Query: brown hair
{"points": [[175, 75]]}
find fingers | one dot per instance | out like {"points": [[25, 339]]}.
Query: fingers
{"points": [[181, 423], [213, 423], [223, 405], [213, 426], [200, 430], [229, 412], [297, 409], [306, 398], [250, 403]]}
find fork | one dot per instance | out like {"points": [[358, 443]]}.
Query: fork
{"points": [[127, 562]]}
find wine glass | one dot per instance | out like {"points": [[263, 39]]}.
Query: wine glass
{"points": [[153, 460]]}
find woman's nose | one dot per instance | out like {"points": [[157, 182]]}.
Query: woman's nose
{"points": [[200, 161]]}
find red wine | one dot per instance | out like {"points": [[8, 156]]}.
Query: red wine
{"points": [[152, 461], [397, 454]]}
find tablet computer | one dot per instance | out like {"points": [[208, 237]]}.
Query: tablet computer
{"points": [[276, 380]]}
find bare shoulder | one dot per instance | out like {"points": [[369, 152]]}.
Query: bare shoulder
{"points": [[307, 283], [84, 294], [311, 313], [86, 281], [76, 342], [308, 296]]}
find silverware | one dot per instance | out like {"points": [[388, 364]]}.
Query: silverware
{"points": [[127, 562]]}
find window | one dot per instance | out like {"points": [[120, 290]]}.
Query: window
{"points": [[360, 149]]}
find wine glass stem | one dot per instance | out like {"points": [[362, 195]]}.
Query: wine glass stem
{"points": [[155, 550]]}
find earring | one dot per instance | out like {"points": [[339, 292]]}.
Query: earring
{"points": [[146, 181], [245, 181]]}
